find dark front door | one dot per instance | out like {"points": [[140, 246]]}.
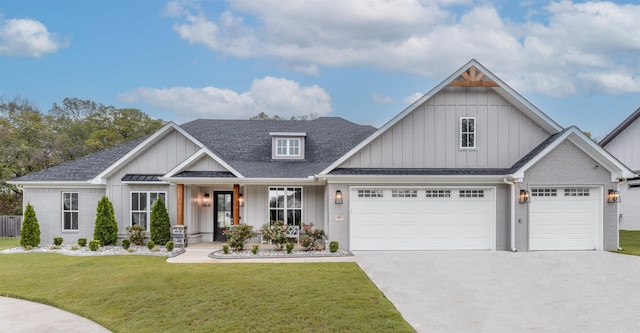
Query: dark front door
{"points": [[222, 213]]}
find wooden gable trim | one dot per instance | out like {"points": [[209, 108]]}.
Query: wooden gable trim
{"points": [[472, 78]]}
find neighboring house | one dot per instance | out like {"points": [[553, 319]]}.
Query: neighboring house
{"points": [[624, 143], [447, 173]]}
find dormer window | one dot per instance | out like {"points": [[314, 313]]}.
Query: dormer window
{"points": [[288, 145]]}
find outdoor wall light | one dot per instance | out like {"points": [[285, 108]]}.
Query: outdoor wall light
{"points": [[241, 200], [524, 196], [338, 197], [613, 196], [206, 200]]}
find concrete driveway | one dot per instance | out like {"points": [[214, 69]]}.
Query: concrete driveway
{"points": [[510, 292]]}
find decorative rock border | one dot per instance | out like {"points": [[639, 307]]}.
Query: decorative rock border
{"points": [[271, 254], [84, 251]]}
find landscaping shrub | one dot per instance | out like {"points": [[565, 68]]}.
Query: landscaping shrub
{"points": [[74, 248], [239, 235], [30, 234], [106, 228], [311, 238], [136, 234], [225, 249], [276, 233], [57, 241], [126, 244], [169, 246], [82, 242], [94, 245], [151, 245], [333, 246], [160, 224], [289, 248], [255, 249]]}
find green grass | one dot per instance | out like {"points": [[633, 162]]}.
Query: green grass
{"points": [[145, 294], [7, 243], [630, 242]]}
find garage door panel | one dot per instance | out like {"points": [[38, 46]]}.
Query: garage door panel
{"points": [[422, 223]]}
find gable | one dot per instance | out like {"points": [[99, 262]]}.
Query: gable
{"points": [[429, 135], [205, 163], [624, 141]]}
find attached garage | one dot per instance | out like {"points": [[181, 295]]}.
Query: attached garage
{"points": [[419, 218], [565, 218]]}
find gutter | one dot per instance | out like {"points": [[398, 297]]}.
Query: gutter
{"points": [[512, 186]]}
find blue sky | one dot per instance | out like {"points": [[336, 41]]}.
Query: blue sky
{"points": [[577, 61]]}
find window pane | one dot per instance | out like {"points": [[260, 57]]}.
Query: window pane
{"points": [[294, 217], [465, 140], [74, 201], [163, 196], [464, 125], [67, 221], [74, 220], [471, 142], [143, 201], [143, 220], [152, 198], [471, 125], [135, 199], [65, 201]]}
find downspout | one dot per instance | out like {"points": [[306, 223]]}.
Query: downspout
{"points": [[512, 186], [618, 233]]}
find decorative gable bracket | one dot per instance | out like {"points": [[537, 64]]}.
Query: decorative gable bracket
{"points": [[472, 78]]}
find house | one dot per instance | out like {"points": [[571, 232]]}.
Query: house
{"points": [[471, 165], [624, 143]]}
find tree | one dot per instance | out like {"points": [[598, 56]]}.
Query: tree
{"points": [[160, 224], [106, 228], [30, 233], [264, 116]]}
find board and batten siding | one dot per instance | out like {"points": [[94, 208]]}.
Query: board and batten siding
{"points": [[120, 196], [428, 137], [206, 163], [626, 145]]}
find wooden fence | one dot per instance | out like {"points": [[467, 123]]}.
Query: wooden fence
{"points": [[10, 226]]}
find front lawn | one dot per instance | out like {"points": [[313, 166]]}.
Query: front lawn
{"points": [[7, 243], [145, 294], [630, 242]]}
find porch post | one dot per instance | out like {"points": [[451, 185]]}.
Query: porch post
{"points": [[236, 204], [180, 191]]}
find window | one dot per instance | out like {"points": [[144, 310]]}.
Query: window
{"points": [[141, 203], [543, 192], [438, 193], [404, 193], [471, 193], [369, 193], [288, 147], [467, 132], [285, 204], [70, 210], [576, 192]]}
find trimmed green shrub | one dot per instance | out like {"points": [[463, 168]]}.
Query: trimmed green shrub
{"points": [[225, 249], [106, 228], [151, 245], [82, 242], [169, 245], [333, 246], [255, 249], [239, 235], [289, 248], [136, 234], [126, 244], [30, 234], [94, 245], [57, 241], [160, 224]]}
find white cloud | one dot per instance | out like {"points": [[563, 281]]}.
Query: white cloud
{"points": [[27, 37], [571, 42], [412, 98], [380, 99], [273, 96]]}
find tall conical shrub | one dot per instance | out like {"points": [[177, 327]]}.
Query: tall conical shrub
{"points": [[106, 228], [160, 224], [30, 233]]}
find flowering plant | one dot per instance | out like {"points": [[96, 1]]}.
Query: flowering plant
{"points": [[276, 233], [239, 235], [311, 238]]}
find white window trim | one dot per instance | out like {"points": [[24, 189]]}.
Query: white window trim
{"points": [[148, 209], [285, 209], [288, 146], [71, 211], [463, 132]]}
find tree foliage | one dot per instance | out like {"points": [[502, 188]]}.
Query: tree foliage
{"points": [[106, 228], [264, 116], [31, 140], [30, 233], [160, 224]]}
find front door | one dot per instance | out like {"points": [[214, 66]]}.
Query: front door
{"points": [[222, 213]]}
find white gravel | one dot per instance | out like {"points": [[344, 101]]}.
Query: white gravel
{"points": [[75, 250]]}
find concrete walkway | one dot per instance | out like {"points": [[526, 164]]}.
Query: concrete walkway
{"points": [[26, 317]]}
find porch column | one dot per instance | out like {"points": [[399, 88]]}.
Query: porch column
{"points": [[180, 191], [236, 204]]}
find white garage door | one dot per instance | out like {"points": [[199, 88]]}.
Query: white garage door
{"points": [[422, 218], [564, 218]]}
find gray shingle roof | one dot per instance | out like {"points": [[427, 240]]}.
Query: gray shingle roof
{"points": [[84, 168], [246, 144]]}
